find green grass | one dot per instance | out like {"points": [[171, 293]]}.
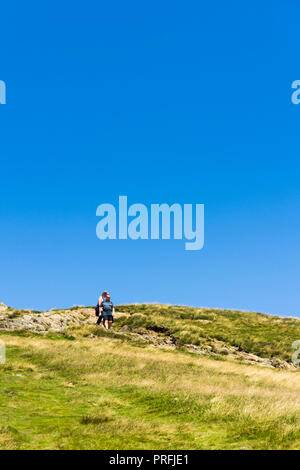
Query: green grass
{"points": [[264, 335], [87, 388], [102, 393]]}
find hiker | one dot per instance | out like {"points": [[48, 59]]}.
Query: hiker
{"points": [[107, 311], [98, 307]]}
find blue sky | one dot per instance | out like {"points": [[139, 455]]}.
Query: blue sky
{"points": [[162, 101]]}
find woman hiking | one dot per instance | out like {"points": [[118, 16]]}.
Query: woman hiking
{"points": [[107, 311], [98, 308]]}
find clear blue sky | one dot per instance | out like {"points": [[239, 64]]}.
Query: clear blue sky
{"points": [[162, 101]]}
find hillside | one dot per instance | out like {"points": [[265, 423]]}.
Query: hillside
{"points": [[165, 378], [238, 334]]}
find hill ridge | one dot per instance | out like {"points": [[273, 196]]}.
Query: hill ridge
{"points": [[218, 333]]}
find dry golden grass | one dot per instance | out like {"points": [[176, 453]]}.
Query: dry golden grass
{"points": [[136, 397]]}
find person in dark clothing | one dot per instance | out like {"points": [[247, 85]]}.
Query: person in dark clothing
{"points": [[99, 313], [108, 311]]}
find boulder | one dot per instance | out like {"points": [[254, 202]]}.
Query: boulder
{"points": [[3, 307]]}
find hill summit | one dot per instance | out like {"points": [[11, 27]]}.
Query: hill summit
{"points": [[250, 337]]}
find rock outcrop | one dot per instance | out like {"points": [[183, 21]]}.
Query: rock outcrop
{"points": [[233, 353], [59, 320], [52, 321], [3, 307]]}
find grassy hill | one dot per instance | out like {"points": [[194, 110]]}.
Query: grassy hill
{"points": [[257, 333], [165, 378]]}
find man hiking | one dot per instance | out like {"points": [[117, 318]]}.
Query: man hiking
{"points": [[108, 311]]}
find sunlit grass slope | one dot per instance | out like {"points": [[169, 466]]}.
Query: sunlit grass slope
{"points": [[102, 392], [265, 335]]}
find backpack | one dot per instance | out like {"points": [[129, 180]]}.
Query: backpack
{"points": [[97, 310], [107, 307]]}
